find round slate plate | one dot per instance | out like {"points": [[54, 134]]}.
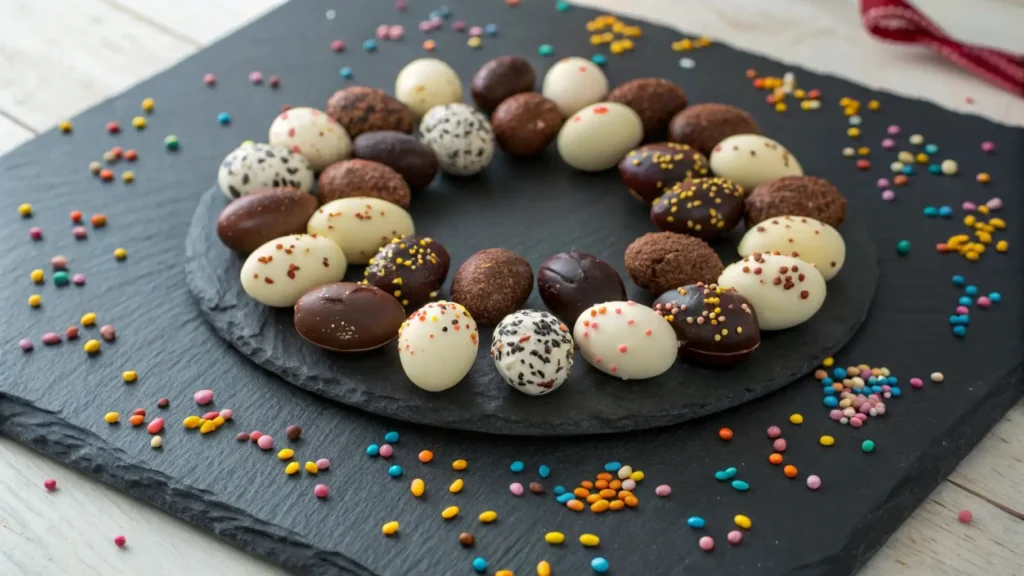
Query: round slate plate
{"points": [[536, 207]]}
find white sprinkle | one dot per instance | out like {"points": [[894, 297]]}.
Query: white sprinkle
{"points": [[855, 120], [687, 63], [331, 14], [156, 442]]}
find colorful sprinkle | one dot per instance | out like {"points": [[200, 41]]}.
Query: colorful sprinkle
{"points": [[418, 487], [600, 565], [813, 482], [545, 49], [516, 489], [590, 540], [965, 516], [395, 471], [867, 446], [390, 528], [734, 537], [695, 522], [450, 512], [706, 543]]}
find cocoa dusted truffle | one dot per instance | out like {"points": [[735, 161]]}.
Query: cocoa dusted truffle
{"points": [[410, 268], [660, 261], [796, 196], [705, 208], [362, 109], [500, 78], [492, 284], [570, 282], [348, 317], [656, 100], [401, 152], [649, 171], [705, 125], [715, 326], [524, 124], [356, 177]]}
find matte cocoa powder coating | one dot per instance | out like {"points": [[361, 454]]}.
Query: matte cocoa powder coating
{"points": [[411, 268], [524, 124], [570, 282], [500, 78], [492, 284], [807, 196], [255, 219], [401, 152], [662, 261], [715, 326], [703, 126], [348, 317], [357, 177], [363, 109], [656, 100]]}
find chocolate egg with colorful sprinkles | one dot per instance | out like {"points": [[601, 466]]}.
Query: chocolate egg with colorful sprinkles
{"points": [[410, 268], [800, 236], [705, 207], [499, 79], [254, 166], [783, 290], [570, 282], [656, 100], [437, 345], [715, 326], [532, 351], [651, 170], [348, 317], [626, 340], [461, 138], [362, 109], [313, 134]]}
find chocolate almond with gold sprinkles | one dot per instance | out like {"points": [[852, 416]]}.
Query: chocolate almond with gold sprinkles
{"points": [[715, 326], [410, 268], [348, 317], [705, 208], [649, 171]]}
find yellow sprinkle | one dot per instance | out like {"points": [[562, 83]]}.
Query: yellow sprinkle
{"points": [[543, 568], [207, 427], [128, 176], [450, 512], [589, 540], [982, 209], [844, 101], [874, 105], [853, 132], [474, 42], [218, 421], [65, 126], [504, 573], [554, 538], [488, 516], [35, 300], [969, 220], [796, 419], [89, 319], [92, 346], [311, 468], [38, 276], [130, 375], [826, 440], [25, 210], [456, 486], [292, 468], [799, 94], [417, 487], [997, 223], [148, 104], [828, 362], [191, 422], [390, 528], [1002, 246], [120, 253], [864, 151], [139, 122], [637, 476], [285, 454], [742, 521], [459, 464], [780, 106], [156, 442], [111, 417]]}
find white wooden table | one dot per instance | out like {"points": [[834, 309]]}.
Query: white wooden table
{"points": [[58, 57]]}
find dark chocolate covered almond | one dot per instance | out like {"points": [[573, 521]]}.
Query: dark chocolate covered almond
{"points": [[348, 317]]}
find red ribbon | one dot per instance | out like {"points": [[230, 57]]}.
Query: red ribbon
{"points": [[898, 21]]}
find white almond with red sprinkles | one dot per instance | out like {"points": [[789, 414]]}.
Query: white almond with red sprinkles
{"points": [[251, 167], [437, 345], [460, 137], [574, 83], [805, 238], [626, 339], [279, 272], [752, 159], [533, 351], [599, 136], [427, 82], [313, 134], [360, 225], [784, 291]]}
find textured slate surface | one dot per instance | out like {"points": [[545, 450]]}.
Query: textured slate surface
{"points": [[54, 399], [590, 402]]}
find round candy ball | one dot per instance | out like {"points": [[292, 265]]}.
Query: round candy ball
{"points": [[492, 284], [705, 208], [362, 109], [411, 268], [662, 261], [656, 100], [499, 79], [313, 134], [650, 170], [524, 124], [570, 282], [359, 177], [426, 83], [461, 138], [532, 351], [437, 355], [574, 83], [703, 126], [254, 166], [715, 326]]}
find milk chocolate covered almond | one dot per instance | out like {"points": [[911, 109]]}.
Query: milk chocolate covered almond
{"points": [[255, 219]]}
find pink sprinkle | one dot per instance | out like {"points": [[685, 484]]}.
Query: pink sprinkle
{"points": [[734, 537], [916, 382], [209, 79], [856, 422], [396, 32], [994, 204], [779, 445], [26, 344], [969, 206], [51, 338], [459, 25], [835, 414], [965, 516], [59, 263], [80, 232], [880, 408], [706, 543], [774, 431], [963, 310], [227, 414], [813, 482], [120, 541], [265, 442], [155, 426], [888, 195], [893, 130], [888, 143], [382, 32], [401, 5], [242, 436], [386, 451], [256, 77], [337, 45], [983, 302], [663, 490], [323, 464], [987, 146], [163, 403], [320, 491], [883, 183], [425, 26], [255, 435], [211, 415], [78, 279], [203, 397], [274, 81], [35, 233], [629, 484], [50, 484], [516, 488], [623, 348], [476, 31]]}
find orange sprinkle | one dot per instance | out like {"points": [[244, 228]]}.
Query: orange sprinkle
{"points": [[751, 73], [107, 174], [616, 505], [574, 505], [593, 498], [775, 458], [725, 434], [608, 493], [137, 420], [605, 476], [623, 494], [631, 501], [601, 484], [426, 456], [790, 471], [581, 492], [587, 484], [615, 484], [599, 506], [429, 45]]}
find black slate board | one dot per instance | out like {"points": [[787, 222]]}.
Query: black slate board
{"points": [[53, 399]]}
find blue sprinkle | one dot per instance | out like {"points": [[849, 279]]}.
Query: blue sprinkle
{"points": [[613, 466], [491, 29], [370, 45], [559, 490], [563, 498], [876, 389], [895, 391], [935, 169], [517, 466], [958, 280], [391, 437], [893, 380], [345, 72], [995, 296], [545, 49], [543, 471], [831, 401], [839, 373], [395, 471], [444, 11], [959, 331], [826, 381], [954, 320], [971, 290], [931, 148], [562, 6], [858, 389], [599, 59], [727, 474], [372, 450], [872, 379], [908, 169], [829, 391], [224, 118], [479, 565], [695, 522], [931, 211], [964, 320], [600, 565], [945, 211], [740, 486], [965, 301]]}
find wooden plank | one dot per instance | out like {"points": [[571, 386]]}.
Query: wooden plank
{"points": [[219, 17], [995, 468], [12, 134], [60, 57]]}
